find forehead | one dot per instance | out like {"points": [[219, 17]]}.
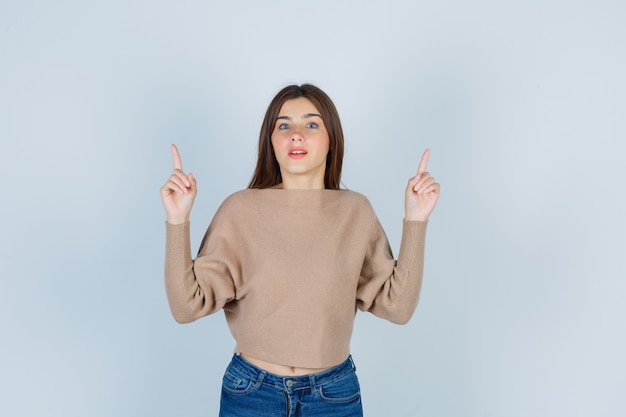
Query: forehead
{"points": [[297, 107]]}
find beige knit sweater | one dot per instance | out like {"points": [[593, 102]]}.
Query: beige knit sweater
{"points": [[289, 268]]}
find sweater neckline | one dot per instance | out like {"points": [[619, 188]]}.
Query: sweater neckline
{"points": [[313, 198]]}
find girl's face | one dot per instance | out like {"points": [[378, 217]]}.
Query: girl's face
{"points": [[301, 144]]}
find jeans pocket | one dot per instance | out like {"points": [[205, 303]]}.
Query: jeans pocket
{"points": [[236, 383], [342, 390]]}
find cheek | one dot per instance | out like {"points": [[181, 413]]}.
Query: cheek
{"points": [[278, 146], [274, 140], [278, 138], [326, 142]]}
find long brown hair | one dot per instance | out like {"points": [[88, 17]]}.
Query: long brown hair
{"points": [[267, 171]]}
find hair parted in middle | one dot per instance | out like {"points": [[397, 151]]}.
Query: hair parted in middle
{"points": [[267, 171]]}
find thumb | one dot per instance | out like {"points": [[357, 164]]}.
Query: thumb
{"points": [[412, 182], [192, 181]]}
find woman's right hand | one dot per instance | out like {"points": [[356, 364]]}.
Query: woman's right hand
{"points": [[179, 192]]}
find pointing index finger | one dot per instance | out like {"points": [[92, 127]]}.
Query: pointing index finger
{"points": [[178, 164], [422, 166]]}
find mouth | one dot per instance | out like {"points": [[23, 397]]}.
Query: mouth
{"points": [[297, 153]]}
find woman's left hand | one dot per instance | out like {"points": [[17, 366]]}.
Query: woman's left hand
{"points": [[422, 193]]}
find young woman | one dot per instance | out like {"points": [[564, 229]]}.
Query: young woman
{"points": [[290, 259]]}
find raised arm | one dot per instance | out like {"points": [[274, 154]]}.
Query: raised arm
{"points": [[197, 287], [391, 289]]}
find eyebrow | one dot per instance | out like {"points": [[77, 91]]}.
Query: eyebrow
{"points": [[305, 116]]}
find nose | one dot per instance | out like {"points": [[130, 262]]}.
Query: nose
{"points": [[297, 137]]}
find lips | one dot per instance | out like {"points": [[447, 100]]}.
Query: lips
{"points": [[297, 153]]}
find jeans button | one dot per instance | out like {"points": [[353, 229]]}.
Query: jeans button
{"points": [[289, 383]]}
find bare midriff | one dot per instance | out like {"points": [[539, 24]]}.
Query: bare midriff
{"points": [[282, 370]]}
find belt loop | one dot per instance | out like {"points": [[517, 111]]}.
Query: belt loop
{"points": [[352, 362], [260, 379], [312, 383]]}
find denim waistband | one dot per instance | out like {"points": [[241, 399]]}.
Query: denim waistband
{"points": [[291, 383]]}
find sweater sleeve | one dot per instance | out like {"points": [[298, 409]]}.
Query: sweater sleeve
{"points": [[195, 288], [388, 288]]}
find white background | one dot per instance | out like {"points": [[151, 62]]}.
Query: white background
{"points": [[521, 102]]}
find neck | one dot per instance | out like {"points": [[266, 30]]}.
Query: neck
{"points": [[302, 183]]}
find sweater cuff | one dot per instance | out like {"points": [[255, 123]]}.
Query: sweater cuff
{"points": [[414, 227], [177, 236], [413, 241]]}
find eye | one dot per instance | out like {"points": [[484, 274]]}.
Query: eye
{"points": [[283, 126], [312, 125]]}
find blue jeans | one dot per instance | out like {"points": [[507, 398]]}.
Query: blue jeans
{"points": [[248, 391]]}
